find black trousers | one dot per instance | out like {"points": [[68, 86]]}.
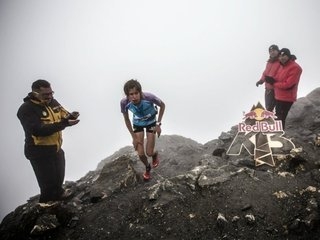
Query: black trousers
{"points": [[269, 99], [50, 172], [282, 109]]}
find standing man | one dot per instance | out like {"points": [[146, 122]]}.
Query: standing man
{"points": [[285, 84], [143, 106], [43, 120], [271, 69]]}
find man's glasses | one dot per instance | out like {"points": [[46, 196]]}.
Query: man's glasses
{"points": [[45, 94]]}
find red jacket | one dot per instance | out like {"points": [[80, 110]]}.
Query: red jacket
{"points": [[271, 70], [286, 81]]}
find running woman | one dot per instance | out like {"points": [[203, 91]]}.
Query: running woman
{"points": [[144, 107]]}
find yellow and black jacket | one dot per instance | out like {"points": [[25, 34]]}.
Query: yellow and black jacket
{"points": [[42, 125]]}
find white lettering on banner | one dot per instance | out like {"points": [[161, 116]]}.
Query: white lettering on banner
{"points": [[261, 127]]}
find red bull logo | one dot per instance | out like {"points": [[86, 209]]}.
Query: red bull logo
{"points": [[259, 114], [261, 127], [250, 115], [261, 135], [267, 114]]}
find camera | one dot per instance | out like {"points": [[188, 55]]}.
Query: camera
{"points": [[73, 116]]}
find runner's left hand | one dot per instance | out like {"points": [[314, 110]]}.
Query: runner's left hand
{"points": [[158, 130]]}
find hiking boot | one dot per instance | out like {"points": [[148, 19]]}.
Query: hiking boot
{"points": [[155, 161], [146, 175], [48, 204]]}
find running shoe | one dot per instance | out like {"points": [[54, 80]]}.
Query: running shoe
{"points": [[146, 175], [155, 161]]}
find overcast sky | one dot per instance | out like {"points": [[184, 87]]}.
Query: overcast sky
{"points": [[202, 58]]}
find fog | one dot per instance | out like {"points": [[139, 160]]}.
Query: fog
{"points": [[202, 58]]}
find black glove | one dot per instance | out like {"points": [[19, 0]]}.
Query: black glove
{"points": [[259, 82], [269, 80]]}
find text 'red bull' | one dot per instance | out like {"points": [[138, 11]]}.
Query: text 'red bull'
{"points": [[261, 127]]}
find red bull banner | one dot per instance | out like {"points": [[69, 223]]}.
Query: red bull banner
{"points": [[261, 135]]}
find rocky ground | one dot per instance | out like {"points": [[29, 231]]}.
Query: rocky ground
{"points": [[197, 192]]}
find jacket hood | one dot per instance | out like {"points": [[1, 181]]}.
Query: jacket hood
{"points": [[288, 62], [30, 97]]}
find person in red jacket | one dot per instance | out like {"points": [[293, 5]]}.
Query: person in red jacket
{"points": [[285, 83], [271, 69]]}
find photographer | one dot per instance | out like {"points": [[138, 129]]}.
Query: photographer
{"points": [[43, 120]]}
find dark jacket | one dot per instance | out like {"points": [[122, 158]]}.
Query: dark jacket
{"points": [[42, 125]]}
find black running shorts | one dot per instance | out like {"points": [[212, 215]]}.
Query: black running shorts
{"points": [[149, 128]]}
